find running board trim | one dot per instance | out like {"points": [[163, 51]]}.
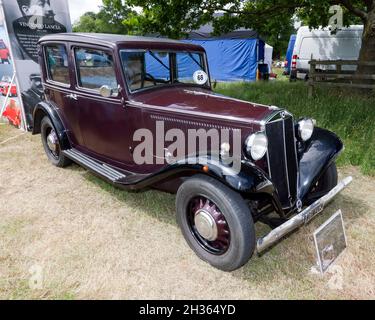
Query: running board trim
{"points": [[93, 165]]}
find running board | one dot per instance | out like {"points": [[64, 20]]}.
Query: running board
{"points": [[100, 169]]}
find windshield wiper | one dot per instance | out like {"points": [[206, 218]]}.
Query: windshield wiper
{"points": [[158, 60]]}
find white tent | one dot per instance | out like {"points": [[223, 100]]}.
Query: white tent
{"points": [[268, 52]]}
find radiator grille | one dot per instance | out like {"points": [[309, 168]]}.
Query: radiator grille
{"points": [[282, 159]]}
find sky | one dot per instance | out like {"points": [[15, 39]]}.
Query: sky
{"points": [[79, 7]]}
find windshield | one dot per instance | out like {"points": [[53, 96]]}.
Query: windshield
{"points": [[148, 69]]}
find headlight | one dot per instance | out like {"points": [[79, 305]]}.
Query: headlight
{"points": [[257, 145], [305, 129]]}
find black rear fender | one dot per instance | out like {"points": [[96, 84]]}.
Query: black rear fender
{"points": [[45, 109]]}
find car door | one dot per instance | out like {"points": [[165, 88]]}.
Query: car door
{"points": [[106, 125], [58, 88]]}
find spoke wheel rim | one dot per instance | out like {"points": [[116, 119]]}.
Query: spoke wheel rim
{"points": [[52, 142], [208, 225]]}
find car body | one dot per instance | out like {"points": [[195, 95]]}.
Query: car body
{"points": [[4, 53], [6, 85], [93, 114], [322, 44], [32, 97]]}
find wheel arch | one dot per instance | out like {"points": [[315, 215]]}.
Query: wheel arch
{"points": [[321, 151], [43, 109]]}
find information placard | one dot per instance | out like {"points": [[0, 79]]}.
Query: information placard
{"points": [[330, 240]]}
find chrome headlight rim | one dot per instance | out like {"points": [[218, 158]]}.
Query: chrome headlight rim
{"points": [[306, 128], [250, 144]]}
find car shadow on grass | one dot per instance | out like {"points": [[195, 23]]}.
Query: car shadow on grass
{"points": [[157, 204]]}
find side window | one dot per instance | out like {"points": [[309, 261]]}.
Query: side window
{"points": [[95, 69], [57, 63]]}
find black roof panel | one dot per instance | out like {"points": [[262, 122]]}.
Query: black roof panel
{"points": [[107, 38]]}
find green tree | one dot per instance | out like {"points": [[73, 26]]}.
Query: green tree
{"points": [[174, 18], [108, 20]]}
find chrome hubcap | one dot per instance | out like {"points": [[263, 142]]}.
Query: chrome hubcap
{"points": [[52, 142], [206, 225]]}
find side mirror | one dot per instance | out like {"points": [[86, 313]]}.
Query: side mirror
{"points": [[105, 91]]}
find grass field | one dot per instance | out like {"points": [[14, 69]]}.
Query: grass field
{"points": [[88, 240], [350, 115]]}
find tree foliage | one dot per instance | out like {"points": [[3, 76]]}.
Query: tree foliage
{"points": [[272, 19], [109, 19]]}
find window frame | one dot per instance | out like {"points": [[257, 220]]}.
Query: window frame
{"points": [[88, 47], [48, 72], [171, 61]]}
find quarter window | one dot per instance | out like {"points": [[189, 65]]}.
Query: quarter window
{"points": [[95, 69], [57, 63]]}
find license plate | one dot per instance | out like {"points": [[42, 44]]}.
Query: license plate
{"points": [[330, 241]]}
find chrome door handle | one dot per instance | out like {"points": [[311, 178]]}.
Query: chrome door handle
{"points": [[72, 96]]}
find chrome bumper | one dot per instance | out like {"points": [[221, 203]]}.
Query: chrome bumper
{"points": [[300, 219]]}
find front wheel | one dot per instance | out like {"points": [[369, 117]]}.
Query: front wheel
{"points": [[324, 185], [216, 222]]}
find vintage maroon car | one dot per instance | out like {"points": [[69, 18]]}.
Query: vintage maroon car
{"points": [[101, 91]]}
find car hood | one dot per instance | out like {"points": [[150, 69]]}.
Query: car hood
{"points": [[204, 103]]}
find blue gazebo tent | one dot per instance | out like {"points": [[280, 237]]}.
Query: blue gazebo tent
{"points": [[233, 56]]}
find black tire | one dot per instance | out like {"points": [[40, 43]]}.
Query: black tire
{"points": [[325, 184], [236, 213], [55, 157]]}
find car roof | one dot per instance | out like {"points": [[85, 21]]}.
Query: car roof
{"points": [[116, 39]]}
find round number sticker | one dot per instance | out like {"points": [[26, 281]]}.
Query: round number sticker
{"points": [[200, 77]]}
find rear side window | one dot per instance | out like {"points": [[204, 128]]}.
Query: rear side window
{"points": [[95, 69], [57, 63]]}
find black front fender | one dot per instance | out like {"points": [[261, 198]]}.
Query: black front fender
{"points": [[43, 109], [250, 181], [323, 148]]}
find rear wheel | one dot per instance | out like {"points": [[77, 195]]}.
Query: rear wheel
{"points": [[216, 223], [51, 144]]}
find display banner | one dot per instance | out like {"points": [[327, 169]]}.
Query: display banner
{"points": [[9, 97], [27, 21]]}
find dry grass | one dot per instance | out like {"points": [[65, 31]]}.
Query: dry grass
{"points": [[93, 241]]}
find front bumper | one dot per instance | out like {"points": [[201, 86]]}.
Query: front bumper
{"points": [[300, 219]]}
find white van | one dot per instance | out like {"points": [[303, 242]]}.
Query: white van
{"points": [[322, 45]]}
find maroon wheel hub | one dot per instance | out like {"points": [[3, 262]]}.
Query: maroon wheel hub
{"points": [[208, 225]]}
